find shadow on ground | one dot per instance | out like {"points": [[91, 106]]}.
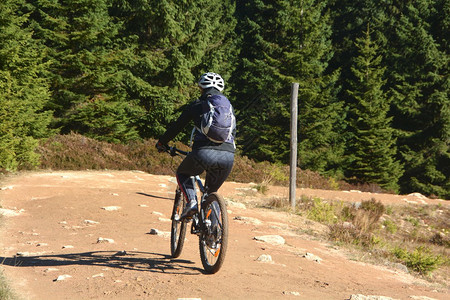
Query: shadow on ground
{"points": [[134, 260]]}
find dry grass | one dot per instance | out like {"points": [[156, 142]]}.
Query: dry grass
{"points": [[76, 152], [414, 236]]}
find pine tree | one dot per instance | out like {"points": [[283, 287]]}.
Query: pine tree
{"points": [[87, 71], [285, 42], [176, 41], [418, 80], [23, 91], [372, 145]]}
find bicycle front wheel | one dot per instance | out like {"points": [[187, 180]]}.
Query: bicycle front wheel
{"points": [[214, 238], [178, 231]]}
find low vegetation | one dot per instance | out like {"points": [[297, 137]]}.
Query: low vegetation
{"points": [[76, 152], [412, 236], [5, 291]]}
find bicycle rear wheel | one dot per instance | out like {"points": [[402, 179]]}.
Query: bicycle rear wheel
{"points": [[214, 239], [178, 231]]}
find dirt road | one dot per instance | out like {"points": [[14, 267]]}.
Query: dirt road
{"points": [[85, 235]]}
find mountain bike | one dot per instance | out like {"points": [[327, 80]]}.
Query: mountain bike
{"points": [[210, 224]]}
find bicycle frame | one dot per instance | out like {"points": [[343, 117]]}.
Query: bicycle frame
{"points": [[210, 223]]}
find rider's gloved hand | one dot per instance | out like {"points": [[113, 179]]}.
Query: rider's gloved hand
{"points": [[161, 147]]}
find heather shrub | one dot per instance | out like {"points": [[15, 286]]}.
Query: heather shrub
{"points": [[77, 152]]}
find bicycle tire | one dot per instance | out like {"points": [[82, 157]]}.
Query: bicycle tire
{"points": [[213, 244], [178, 231]]}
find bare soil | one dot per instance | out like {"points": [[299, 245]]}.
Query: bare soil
{"points": [[58, 224]]}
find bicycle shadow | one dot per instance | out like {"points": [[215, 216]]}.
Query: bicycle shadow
{"points": [[126, 260], [153, 196]]}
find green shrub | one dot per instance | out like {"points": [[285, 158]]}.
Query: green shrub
{"points": [[390, 226], [322, 211], [421, 260]]}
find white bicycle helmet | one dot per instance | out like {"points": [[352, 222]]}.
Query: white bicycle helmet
{"points": [[210, 79]]}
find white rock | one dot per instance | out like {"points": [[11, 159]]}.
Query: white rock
{"points": [[418, 195], [51, 270], [162, 185], [236, 204], [68, 247], [410, 201], [157, 213], [8, 212], [91, 222], [29, 253], [421, 298], [143, 205], [248, 220], [271, 239], [164, 220], [98, 275], [3, 188], [62, 277], [291, 293], [312, 257], [111, 208], [264, 258], [105, 240]]}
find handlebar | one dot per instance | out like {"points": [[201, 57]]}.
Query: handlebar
{"points": [[173, 151]]}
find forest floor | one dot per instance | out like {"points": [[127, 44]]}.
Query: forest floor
{"points": [[85, 235]]}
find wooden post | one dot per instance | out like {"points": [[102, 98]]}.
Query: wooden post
{"points": [[293, 156]]}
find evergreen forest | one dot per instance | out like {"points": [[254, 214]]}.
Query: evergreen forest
{"points": [[373, 79]]}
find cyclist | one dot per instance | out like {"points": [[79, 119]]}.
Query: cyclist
{"points": [[215, 157]]}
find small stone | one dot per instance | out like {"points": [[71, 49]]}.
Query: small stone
{"points": [[68, 247], [105, 240], [264, 258], [291, 293], [164, 220], [418, 195], [41, 244], [248, 220], [90, 222], [62, 277], [312, 257], [275, 240], [98, 275], [8, 212], [51, 270], [153, 231], [111, 208], [236, 204]]}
